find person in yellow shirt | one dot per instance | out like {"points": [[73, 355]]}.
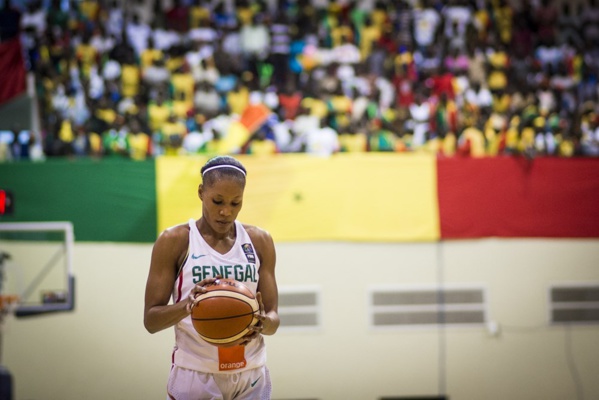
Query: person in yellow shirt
{"points": [[449, 144], [472, 141], [482, 21], [65, 133], [512, 135], [526, 142], [260, 145], [380, 14], [502, 100], [158, 113], [105, 111], [493, 138], [245, 13], [150, 54], [139, 141], [340, 105], [565, 144], [90, 11], [498, 64], [198, 13], [174, 61], [87, 55], [182, 85], [181, 107], [369, 34], [173, 131], [340, 33], [352, 139], [238, 99], [130, 77], [504, 15], [433, 144], [315, 105]]}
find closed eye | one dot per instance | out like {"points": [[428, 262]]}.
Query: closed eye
{"points": [[220, 202]]}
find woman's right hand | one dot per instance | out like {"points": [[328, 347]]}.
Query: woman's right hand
{"points": [[197, 290]]}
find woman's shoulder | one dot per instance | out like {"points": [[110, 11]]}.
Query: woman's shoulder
{"points": [[262, 241], [175, 234], [257, 234]]}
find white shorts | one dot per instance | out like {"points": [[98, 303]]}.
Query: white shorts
{"points": [[187, 384]]}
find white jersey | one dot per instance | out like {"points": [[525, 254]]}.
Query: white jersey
{"points": [[202, 261]]}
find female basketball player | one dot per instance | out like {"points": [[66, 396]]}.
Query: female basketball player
{"points": [[184, 259]]}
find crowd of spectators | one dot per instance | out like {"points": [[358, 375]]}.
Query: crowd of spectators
{"points": [[456, 78]]}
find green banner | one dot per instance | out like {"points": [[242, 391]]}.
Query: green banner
{"points": [[106, 200]]}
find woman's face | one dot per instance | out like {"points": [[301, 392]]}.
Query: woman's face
{"points": [[221, 203]]}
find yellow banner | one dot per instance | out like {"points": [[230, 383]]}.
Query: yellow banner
{"points": [[297, 197]]}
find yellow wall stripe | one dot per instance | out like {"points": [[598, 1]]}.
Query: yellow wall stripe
{"points": [[298, 197]]}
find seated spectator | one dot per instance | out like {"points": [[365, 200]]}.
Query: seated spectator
{"points": [[255, 43], [156, 76], [471, 141], [457, 15], [346, 52], [569, 24], [260, 145], [150, 55], [177, 17], [114, 140], [81, 143], [158, 113], [353, 139], [289, 99], [304, 122], [590, 22], [590, 135], [238, 99], [138, 141], [206, 70], [457, 61], [182, 84], [380, 137], [322, 142], [138, 33], [546, 16], [194, 141], [498, 64], [130, 77], [172, 134], [207, 99], [478, 96]]}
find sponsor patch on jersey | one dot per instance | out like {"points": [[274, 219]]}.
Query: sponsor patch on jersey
{"points": [[248, 250]]}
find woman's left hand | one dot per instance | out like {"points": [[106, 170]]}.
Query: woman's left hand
{"points": [[254, 330]]}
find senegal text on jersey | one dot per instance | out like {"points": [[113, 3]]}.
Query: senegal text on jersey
{"points": [[238, 272]]}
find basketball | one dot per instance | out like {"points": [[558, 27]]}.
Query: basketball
{"points": [[225, 312]]}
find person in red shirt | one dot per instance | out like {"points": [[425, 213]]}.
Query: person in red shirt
{"points": [[289, 101], [442, 83], [177, 17]]}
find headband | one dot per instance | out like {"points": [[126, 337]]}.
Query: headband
{"points": [[223, 166]]}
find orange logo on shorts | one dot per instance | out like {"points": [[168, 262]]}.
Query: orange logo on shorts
{"points": [[230, 358]]}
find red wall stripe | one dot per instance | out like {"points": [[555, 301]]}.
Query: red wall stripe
{"points": [[517, 197]]}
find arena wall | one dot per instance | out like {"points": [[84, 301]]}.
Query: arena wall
{"points": [[102, 351]]}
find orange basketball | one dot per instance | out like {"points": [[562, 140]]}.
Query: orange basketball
{"points": [[225, 312]]}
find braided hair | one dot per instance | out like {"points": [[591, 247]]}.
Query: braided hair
{"points": [[219, 167]]}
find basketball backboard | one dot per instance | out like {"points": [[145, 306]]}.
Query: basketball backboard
{"points": [[36, 266]]}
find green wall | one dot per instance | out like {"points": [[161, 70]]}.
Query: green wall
{"points": [[106, 200]]}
